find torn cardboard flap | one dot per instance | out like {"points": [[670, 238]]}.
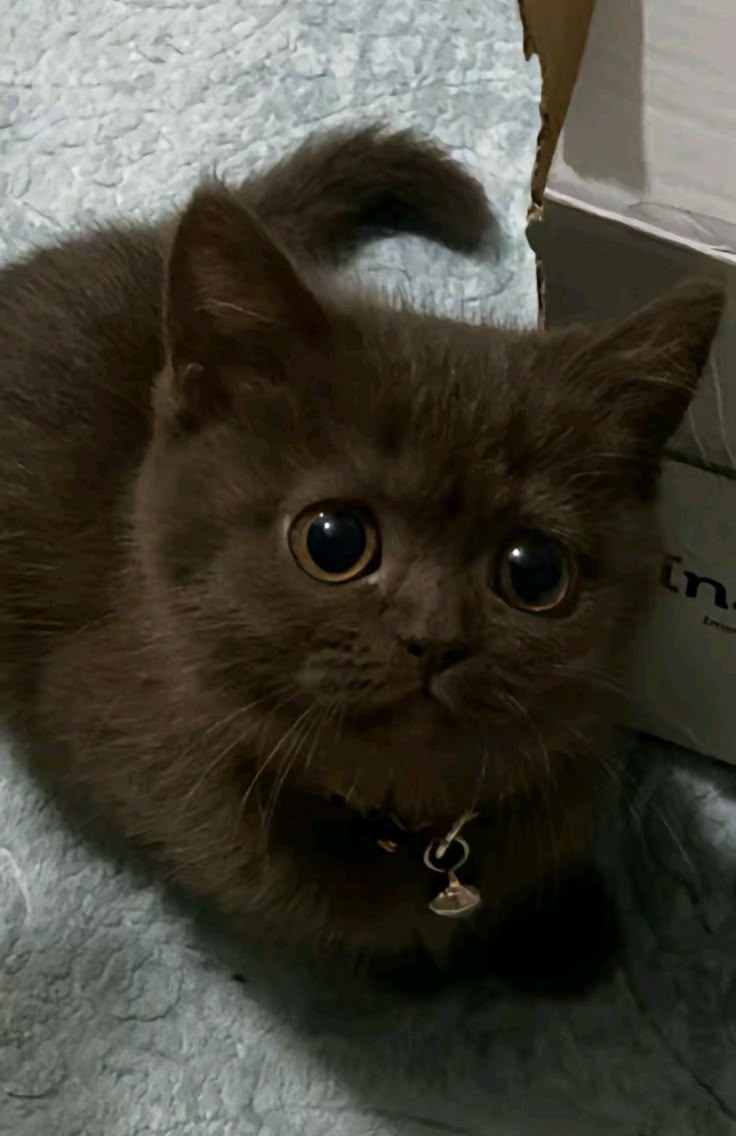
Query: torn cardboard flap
{"points": [[555, 31]]}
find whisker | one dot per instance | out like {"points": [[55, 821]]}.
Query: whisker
{"points": [[480, 782], [696, 436], [718, 390], [221, 755], [286, 764], [264, 765]]}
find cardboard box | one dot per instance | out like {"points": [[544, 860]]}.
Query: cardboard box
{"points": [[640, 191]]}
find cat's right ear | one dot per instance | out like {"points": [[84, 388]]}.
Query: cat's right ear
{"points": [[235, 307], [648, 367], [635, 381]]}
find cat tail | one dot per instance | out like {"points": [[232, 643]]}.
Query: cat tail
{"points": [[340, 190]]}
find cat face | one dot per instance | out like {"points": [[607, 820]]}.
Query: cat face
{"points": [[416, 548]]}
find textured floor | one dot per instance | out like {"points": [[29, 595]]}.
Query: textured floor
{"points": [[119, 1016]]}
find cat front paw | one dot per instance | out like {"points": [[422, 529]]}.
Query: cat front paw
{"points": [[563, 941]]}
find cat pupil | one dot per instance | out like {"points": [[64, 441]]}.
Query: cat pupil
{"points": [[336, 541], [536, 568]]}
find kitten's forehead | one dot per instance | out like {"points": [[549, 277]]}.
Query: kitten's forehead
{"points": [[428, 386], [430, 412], [445, 420], [459, 424]]}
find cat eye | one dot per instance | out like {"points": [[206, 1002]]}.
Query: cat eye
{"points": [[335, 543], [536, 573]]}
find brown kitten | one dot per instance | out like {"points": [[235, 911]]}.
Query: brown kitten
{"points": [[274, 556]]}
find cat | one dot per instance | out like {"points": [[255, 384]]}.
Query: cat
{"points": [[295, 580]]}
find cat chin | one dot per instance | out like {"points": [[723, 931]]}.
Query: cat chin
{"points": [[385, 813], [420, 713]]}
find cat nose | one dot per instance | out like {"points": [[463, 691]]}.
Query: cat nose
{"points": [[437, 656]]}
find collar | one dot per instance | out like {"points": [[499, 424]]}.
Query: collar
{"points": [[445, 856]]}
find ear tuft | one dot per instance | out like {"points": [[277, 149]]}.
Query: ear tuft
{"points": [[676, 331], [653, 361]]}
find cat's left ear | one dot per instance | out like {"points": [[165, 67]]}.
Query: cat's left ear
{"points": [[647, 368], [234, 303]]}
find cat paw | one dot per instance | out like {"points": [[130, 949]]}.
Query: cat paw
{"points": [[561, 944]]}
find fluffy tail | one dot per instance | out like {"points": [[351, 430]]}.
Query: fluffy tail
{"points": [[339, 190]]}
